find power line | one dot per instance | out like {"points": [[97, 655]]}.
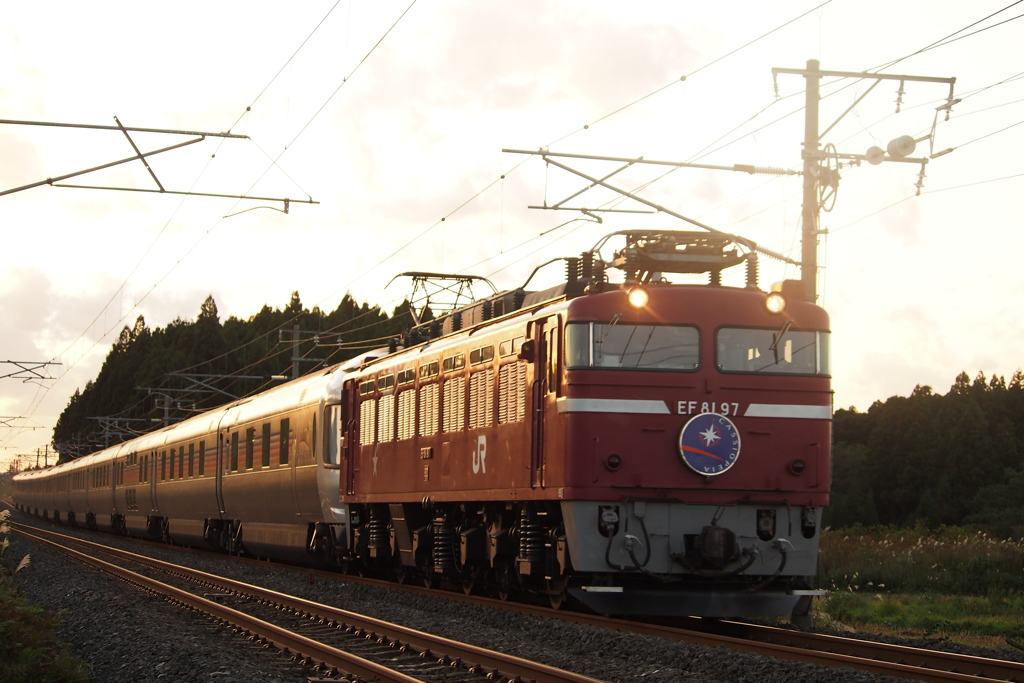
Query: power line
{"points": [[35, 401]]}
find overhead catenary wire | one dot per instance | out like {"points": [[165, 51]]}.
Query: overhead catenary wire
{"points": [[434, 225], [319, 110], [42, 391]]}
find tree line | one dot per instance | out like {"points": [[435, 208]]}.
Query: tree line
{"points": [[933, 459], [152, 377], [927, 458]]}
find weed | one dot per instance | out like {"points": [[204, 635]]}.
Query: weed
{"points": [[29, 649], [950, 581]]}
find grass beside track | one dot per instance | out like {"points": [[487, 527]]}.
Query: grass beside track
{"points": [[29, 649], [955, 583]]}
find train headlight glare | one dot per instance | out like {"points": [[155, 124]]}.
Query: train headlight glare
{"points": [[775, 303], [638, 297]]}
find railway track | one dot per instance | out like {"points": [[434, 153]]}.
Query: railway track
{"points": [[832, 651], [333, 642], [881, 658]]}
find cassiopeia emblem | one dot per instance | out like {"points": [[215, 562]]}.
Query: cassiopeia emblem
{"points": [[709, 443]]}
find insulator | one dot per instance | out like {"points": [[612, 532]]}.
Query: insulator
{"points": [[377, 530], [572, 269], [752, 271], [762, 170], [392, 344], [456, 321], [531, 539], [499, 308], [488, 308], [587, 265], [901, 147], [444, 547], [518, 297], [771, 170], [435, 329], [715, 278]]}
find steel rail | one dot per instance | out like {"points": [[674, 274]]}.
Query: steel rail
{"points": [[894, 660], [985, 668], [470, 656], [286, 641]]}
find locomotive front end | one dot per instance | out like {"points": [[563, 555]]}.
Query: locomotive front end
{"points": [[698, 429]]}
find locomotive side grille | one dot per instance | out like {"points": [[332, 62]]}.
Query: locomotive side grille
{"points": [[428, 410], [454, 404], [386, 419], [512, 392], [406, 415], [367, 421], [481, 398]]}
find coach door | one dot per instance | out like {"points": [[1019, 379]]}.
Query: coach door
{"points": [[350, 449], [544, 387], [152, 475], [222, 459]]}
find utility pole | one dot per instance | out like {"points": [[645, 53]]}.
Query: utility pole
{"points": [[296, 337], [812, 156], [821, 167]]}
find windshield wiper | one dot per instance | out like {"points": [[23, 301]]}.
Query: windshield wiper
{"points": [[777, 339], [608, 328]]}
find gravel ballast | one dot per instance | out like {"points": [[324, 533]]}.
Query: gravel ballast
{"points": [[125, 634]]}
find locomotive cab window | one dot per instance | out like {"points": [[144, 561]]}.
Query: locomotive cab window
{"points": [[772, 351], [619, 345]]}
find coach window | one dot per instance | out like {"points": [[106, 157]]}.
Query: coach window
{"points": [[202, 458], [191, 458], [234, 452], [265, 445], [285, 436], [163, 465], [333, 425], [172, 463], [250, 446]]}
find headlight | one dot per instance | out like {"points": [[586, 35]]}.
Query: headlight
{"points": [[638, 297], [775, 303]]}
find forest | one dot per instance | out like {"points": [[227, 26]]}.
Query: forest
{"points": [[926, 459], [932, 460], [152, 377]]}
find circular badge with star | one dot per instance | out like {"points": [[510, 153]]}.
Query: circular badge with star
{"points": [[709, 444]]}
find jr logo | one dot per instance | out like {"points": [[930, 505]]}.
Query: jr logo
{"points": [[480, 455]]}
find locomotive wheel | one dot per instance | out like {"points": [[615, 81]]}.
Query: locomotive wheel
{"points": [[470, 584], [504, 580], [555, 589]]}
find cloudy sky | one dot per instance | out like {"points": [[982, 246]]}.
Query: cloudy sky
{"points": [[394, 115]]}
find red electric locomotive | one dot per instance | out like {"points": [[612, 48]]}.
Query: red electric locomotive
{"points": [[644, 447]]}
